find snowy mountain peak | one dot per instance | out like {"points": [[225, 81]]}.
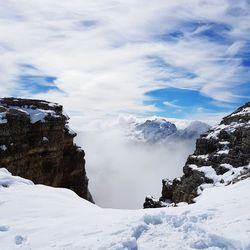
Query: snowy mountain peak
{"points": [[155, 130], [159, 130]]}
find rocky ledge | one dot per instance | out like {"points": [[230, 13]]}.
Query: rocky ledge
{"points": [[36, 143], [221, 157]]}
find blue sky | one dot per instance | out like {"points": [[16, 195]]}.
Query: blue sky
{"points": [[101, 59]]}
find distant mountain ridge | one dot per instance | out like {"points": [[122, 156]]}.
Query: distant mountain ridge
{"points": [[159, 130]]}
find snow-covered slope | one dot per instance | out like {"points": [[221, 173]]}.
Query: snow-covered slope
{"points": [[42, 217]]}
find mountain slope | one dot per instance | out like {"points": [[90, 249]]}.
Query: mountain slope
{"points": [[222, 156], [39, 217]]}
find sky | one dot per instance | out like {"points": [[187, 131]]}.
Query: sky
{"points": [[180, 59]]}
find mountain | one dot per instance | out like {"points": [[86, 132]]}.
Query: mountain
{"points": [[221, 157], [153, 131], [36, 143], [192, 131], [160, 130]]}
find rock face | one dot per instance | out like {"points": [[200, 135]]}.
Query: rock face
{"points": [[222, 156], [36, 143]]}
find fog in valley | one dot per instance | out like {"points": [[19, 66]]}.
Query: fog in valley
{"points": [[121, 172]]}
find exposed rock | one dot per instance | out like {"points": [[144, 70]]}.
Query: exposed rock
{"points": [[222, 156], [37, 144]]}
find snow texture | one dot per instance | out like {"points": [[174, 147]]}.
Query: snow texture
{"points": [[37, 115], [3, 147], [243, 112], [46, 218]]}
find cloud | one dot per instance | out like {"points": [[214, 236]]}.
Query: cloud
{"points": [[172, 105], [122, 173], [100, 53]]}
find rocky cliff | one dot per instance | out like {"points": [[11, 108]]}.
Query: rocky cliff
{"points": [[221, 157], [36, 143]]}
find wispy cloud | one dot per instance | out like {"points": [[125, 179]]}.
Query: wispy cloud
{"points": [[99, 51], [172, 105]]}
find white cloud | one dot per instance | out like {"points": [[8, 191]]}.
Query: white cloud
{"points": [[172, 105], [122, 173], [98, 51]]}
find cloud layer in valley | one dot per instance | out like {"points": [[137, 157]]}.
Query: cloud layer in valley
{"points": [[123, 173]]}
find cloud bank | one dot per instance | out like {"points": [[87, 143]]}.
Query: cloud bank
{"points": [[99, 58], [123, 173]]}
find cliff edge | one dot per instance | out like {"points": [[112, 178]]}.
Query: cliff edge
{"points": [[221, 157], [36, 143]]}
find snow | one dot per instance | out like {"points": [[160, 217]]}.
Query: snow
{"points": [[224, 151], [7, 179], [70, 131], [37, 114], [216, 130], [219, 180], [224, 142], [204, 157], [159, 130], [45, 139], [34, 114], [3, 117], [42, 217], [230, 128], [243, 112], [3, 147]]}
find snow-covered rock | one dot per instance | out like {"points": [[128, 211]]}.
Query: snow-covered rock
{"points": [[223, 150]]}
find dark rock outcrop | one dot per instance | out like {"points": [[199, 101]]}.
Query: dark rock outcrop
{"points": [[222, 156], [36, 143]]}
